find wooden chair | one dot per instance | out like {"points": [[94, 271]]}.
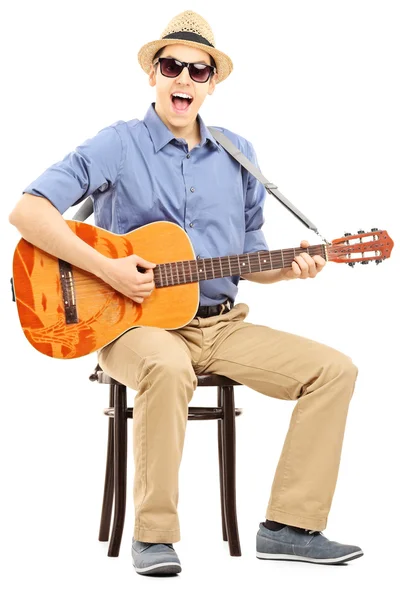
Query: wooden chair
{"points": [[116, 464]]}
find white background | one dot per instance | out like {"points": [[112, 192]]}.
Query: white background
{"points": [[315, 88]]}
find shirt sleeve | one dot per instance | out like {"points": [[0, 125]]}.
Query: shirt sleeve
{"points": [[92, 165], [254, 239]]}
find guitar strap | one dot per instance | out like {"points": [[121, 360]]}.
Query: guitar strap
{"points": [[87, 208], [270, 187]]}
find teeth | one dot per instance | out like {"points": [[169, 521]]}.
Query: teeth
{"points": [[178, 95]]}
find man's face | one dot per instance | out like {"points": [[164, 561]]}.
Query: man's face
{"points": [[166, 86]]}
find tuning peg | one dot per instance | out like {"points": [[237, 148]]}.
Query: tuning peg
{"points": [[374, 229], [351, 264], [364, 262], [378, 261], [347, 234], [360, 231]]}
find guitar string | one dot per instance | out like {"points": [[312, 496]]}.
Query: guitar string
{"points": [[80, 280]]}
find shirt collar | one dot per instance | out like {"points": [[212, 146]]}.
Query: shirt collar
{"points": [[161, 135]]}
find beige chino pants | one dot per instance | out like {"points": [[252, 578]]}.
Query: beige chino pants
{"points": [[162, 366]]}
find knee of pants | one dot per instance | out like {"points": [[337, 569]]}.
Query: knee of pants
{"points": [[341, 365], [170, 367]]}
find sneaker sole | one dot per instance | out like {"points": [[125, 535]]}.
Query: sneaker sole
{"points": [[166, 568], [323, 561]]}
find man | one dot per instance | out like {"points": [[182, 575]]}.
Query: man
{"points": [[169, 167]]}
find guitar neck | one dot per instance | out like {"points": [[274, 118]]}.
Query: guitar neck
{"points": [[189, 271]]}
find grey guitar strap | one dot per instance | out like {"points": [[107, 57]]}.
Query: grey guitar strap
{"points": [[87, 207], [270, 187]]}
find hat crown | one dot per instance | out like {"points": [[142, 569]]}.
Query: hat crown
{"points": [[192, 22]]}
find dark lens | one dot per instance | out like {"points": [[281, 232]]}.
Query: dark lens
{"points": [[170, 67], [200, 72]]}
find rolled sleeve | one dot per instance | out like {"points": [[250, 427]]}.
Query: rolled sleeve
{"points": [[92, 165], [254, 239]]}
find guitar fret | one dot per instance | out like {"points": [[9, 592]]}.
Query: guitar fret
{"points": [[190, 270], [202, 269], [183, 271], [248, 260], [165, 272]]}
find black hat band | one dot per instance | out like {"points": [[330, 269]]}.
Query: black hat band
{"points": [[188, 35]]}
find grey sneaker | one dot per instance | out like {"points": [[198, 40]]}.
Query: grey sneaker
{"points": [[155, 559], [290, 543]]}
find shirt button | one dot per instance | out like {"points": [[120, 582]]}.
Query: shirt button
{"points": [[190, 224], [187, 155], [192, 189]]}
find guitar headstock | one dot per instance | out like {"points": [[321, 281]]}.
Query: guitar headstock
{"points": [[362, 247]]}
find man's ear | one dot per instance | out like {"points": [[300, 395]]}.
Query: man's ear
{"points": [[152, 76], [213, 83]]}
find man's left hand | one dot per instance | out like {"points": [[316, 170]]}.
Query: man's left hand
{"points": [[304, 265]]}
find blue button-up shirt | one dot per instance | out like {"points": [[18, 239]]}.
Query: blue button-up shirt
{"points": [[137, 172]]}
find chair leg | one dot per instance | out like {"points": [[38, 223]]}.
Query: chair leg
{"points": [[229, 468], [120, 464], [221, 470], [109, 479]]}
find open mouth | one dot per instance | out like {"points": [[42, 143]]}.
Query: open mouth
{"points": [[180, 105]]}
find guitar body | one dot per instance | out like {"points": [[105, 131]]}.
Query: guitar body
{"points": [[101, 313]]}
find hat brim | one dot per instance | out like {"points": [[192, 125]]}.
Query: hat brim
{"points": [[222, 61]]}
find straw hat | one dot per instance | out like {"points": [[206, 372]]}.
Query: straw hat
{"points": [[190, 29]]}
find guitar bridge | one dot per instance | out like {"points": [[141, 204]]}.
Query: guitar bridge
{"points": [[68, 292]]}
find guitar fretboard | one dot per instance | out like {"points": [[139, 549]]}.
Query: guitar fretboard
{"points": [[188, 271]]}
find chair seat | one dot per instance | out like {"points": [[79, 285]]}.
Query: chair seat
{"points": [[217, 380], [208, 379]]}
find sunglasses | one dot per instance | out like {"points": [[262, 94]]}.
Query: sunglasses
{"points": [[171, 67]]}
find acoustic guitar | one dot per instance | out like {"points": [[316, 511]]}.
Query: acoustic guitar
{"points": [[66, 312]]}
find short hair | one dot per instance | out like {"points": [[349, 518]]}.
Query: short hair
{"points": [[213, 64]]}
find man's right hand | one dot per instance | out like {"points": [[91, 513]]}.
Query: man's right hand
{"points": [[123, 276]]}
